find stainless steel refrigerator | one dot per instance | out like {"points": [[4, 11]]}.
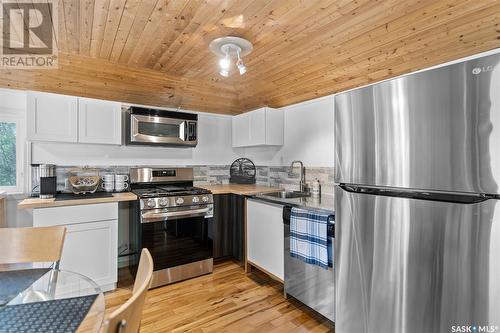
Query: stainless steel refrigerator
{"points": [[417, 168]]}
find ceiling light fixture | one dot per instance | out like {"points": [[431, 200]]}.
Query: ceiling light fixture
{"points": [[228, 48], [225, 62], [241, 66]]}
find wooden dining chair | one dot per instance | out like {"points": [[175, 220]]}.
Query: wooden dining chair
{"points": [[127, 318], [31, 245]]}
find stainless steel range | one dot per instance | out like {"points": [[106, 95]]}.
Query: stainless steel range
{"points": [[173, 220]]}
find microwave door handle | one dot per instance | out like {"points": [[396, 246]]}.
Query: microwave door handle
{"points": [[183, 132]]}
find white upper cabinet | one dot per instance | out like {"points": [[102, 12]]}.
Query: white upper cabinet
{"points": [[60, 118], [275, 127], [52, 117], [262, 127], [241, 130], [99, 121], [258, 127]]}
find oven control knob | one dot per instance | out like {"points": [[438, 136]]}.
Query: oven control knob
{"points": [[179, 201], [195, 200], [163, 201], [151, 203], [204, 198]]}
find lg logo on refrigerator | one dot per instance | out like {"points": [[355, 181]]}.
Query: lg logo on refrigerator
{"points": [[483, 69]]}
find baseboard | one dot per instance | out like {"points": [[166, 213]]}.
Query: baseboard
{"points": [[108, 287], [271, 275]]}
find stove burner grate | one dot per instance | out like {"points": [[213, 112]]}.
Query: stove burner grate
{"points": [[164, 191]]}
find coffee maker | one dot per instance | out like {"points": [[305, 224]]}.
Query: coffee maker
{"points": [[43, 181]]}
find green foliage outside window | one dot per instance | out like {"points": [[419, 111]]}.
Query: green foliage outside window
{"points": [[7, 154]]}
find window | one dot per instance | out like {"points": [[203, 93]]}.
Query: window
{"points": [[11, 152], [8, 149]]}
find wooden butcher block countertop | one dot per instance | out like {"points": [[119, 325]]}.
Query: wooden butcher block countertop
{"points": [[241, 189], [45, 203]]}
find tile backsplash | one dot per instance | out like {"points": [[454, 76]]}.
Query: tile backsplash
{"points": [[281, 177], [211, 174], [219, 174]]}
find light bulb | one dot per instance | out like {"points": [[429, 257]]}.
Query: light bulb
{"points": [[241, 67], [224, 72], [224, 63]]}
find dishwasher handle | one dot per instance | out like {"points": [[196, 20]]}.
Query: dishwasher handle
{"points": [[331, 230], [287, 211]]}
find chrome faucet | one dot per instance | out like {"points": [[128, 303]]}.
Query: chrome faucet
{"points": [[302, 183]]}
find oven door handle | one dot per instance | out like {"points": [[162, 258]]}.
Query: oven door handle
{"points": [[155, 217]]}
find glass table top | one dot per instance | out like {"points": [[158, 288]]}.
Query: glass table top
{"points": [[57, 285]]}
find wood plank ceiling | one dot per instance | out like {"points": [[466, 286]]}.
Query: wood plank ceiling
{"points": [[155, 52]]}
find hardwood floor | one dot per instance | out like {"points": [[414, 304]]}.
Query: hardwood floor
{"points": [[226, 301]]}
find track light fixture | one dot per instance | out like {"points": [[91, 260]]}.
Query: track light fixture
{"points": [[224, 64], [229, 48], [241, 66]]}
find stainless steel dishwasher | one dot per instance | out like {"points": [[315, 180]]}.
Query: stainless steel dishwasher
{"points": [[310, 284]]}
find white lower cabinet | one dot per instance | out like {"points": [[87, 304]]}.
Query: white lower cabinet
{"points": [[265, 237], [91, 243]]}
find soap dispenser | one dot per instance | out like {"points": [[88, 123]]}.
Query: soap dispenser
{"points": [[316, 188]]}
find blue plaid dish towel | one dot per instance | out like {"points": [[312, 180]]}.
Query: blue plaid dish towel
{"points": [[309, 239]]}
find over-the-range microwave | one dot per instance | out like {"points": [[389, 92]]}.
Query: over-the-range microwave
{"points": [[161, 127]]}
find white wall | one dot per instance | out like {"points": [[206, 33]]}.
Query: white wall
{"points": [[214, 147], [18, 217], [12, 99]]}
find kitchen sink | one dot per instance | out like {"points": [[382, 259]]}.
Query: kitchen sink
{"points": [[286, 194]]}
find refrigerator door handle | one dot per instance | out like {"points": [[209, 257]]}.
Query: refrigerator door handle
{"points": [[453, 197]]}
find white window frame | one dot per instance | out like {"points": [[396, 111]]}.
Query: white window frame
{"points": [[19, 118]]}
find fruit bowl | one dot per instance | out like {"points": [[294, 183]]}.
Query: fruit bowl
{"points": [[84, 184]]}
